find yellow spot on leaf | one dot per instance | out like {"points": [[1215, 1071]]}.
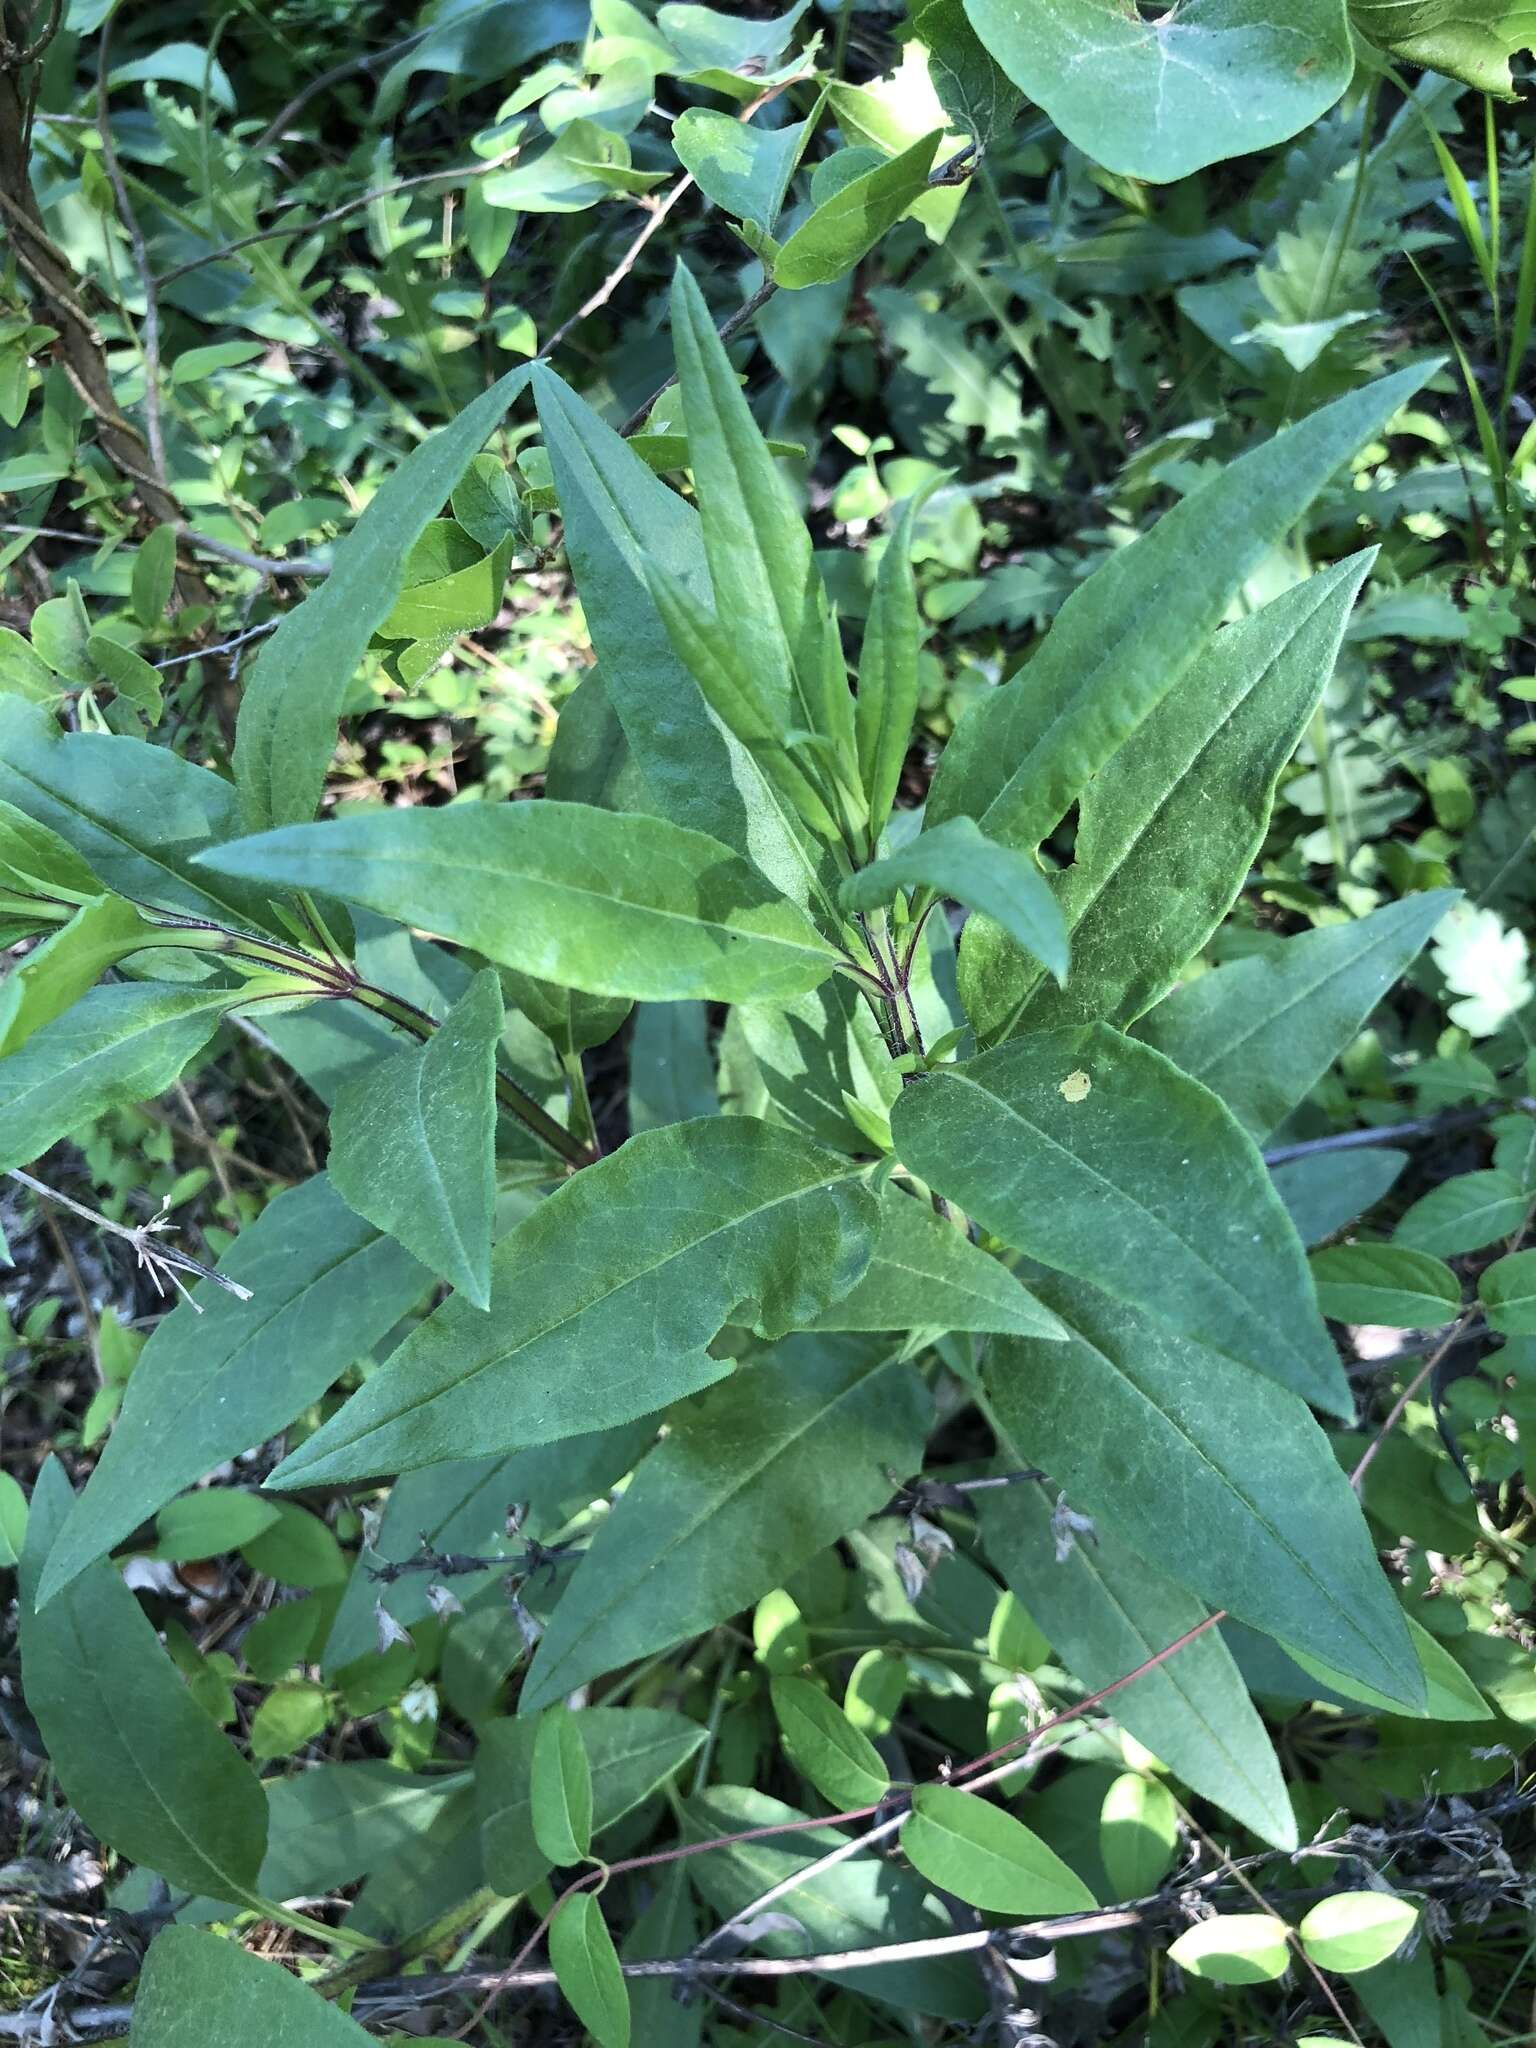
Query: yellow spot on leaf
{"points": [[1076, 1086]]}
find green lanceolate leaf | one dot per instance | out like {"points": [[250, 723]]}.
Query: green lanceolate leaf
{"points": [[1385, 1283], [119, 1044], [213, 1380], [586, 1967], [1261, 1032], [766, 586], [958, 860], [618, 517], [858, 1903], [202, 1990], [407, 1893], [844, 228], [1326, 1190], [825, 1747], [714, 656], [965, 1845], [604, 1299], [924, 1272], [1214, 1474], [560, 1792], [1121, 641], [137, 1757], [36, 861], [334, 1823], [290, 703], [58, 972], [136, 815], [1158, 97], [413, 1142], [751, 1481], [1168, 829], [888, 674], [1095, 1155], [800, 1062], [615, 905], [1106, 1612], [1449, 1695], [629, 1751]]}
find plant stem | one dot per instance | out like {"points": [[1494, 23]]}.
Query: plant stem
{"points": [[511, 1097], [380, 1958], [582, 1118], [335, 1937], [840, 40]]}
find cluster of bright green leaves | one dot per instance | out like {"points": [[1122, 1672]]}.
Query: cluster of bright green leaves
{"points": [[67, 657], [893, 136]]}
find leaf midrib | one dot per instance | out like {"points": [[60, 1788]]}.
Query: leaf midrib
{"points": [[501, 877], [1171, 1674], [87, 1659], [111, 832], [88, 1060], [561, 1322], [1093, 793], [1224, 1480], [1271, 1017], [741, 1478], [1125, 1195]]}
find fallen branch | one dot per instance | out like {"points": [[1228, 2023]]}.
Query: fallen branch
{"points": [[155, 1257]]}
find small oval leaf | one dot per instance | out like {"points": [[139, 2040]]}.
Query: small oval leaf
{"points": [[825, 1747], [562, 1789], [1233, 1948], [586, 1966], [876, 1687], [1138, 1833], [1388, 1284], [1507, 1291], [1357, 1930], [779, 1634], [154, 576], [988, 1858]]}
